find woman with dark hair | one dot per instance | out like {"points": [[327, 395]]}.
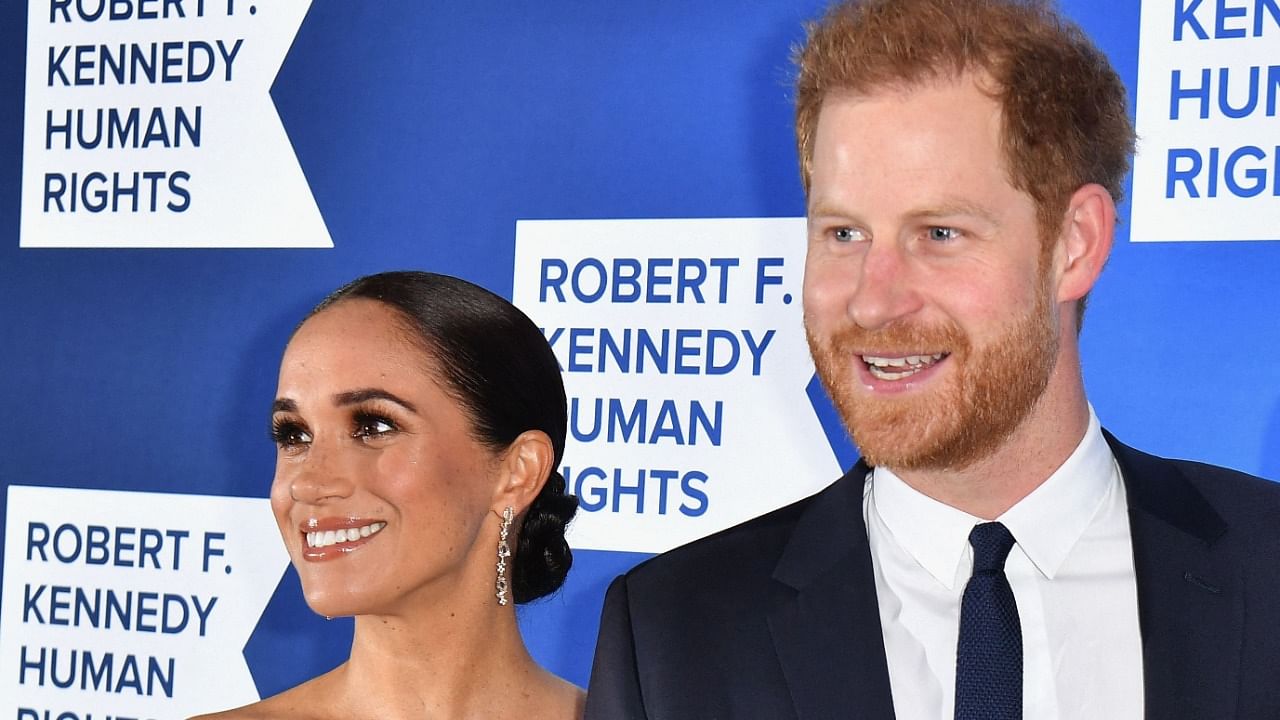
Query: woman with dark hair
{"points": [[419, 423]]}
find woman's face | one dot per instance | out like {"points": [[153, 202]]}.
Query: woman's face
{"points": [[380, 491]]}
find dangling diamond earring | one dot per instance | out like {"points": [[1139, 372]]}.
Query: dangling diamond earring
{"points": [[504, 552]]}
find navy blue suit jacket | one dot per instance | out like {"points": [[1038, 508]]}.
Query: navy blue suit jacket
{"points": [[777, 618]]}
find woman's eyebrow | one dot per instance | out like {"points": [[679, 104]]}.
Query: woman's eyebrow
{"points": [[355, 397], [284, 405]]}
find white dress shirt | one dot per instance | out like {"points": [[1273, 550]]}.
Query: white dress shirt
{"points": [[1072, 576]]}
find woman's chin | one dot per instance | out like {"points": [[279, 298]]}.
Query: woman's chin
{"points": [[332, 605]]}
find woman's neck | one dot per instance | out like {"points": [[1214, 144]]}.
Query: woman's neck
{"points": [[455, 658]]}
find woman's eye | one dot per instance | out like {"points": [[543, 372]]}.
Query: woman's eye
{"points": [[373, 426], [289, 435], [943, 234]]}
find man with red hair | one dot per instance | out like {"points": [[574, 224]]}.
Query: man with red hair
{"points": [[995, 553]]}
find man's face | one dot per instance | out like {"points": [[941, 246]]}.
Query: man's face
{"points": [[928, 299]]}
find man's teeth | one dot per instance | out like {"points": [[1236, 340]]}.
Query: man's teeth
{"points": [[903, 366], [325, 538]]}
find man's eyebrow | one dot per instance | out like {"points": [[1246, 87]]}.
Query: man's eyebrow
{"points": [[821, 208], [951, 208], [942, 209], [355, 397]]}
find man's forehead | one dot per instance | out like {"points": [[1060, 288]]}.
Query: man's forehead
{"points": [[923, 126], [904, 88], [947, 127]]}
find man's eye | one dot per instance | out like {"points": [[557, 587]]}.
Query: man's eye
{"points": [[373, 426], [847, 234], [943, 234]]}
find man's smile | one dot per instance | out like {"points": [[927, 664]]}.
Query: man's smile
{"points": [[885, 367]]}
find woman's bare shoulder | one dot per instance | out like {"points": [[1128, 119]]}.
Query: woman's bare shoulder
{"points": [[563, 700], [311, 700]]}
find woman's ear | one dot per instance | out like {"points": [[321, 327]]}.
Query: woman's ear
{"points": [[524, 468]]}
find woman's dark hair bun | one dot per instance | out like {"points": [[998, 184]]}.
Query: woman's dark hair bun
{"points": [[543, 557]]}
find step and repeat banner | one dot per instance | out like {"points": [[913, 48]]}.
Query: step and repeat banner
{"points": [[181, 180]]}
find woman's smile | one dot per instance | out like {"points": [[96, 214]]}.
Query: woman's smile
{"points": [[330, 538]]}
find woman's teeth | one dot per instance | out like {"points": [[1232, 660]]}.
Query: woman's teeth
{"points": [[896, 368], [325, 538]]}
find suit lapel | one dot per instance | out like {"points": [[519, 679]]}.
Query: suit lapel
{"points": [[824, 617], [1190, 599]]}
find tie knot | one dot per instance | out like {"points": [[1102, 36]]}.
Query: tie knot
{"points": [[991, 545]]}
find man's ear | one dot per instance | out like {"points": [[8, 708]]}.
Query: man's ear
{"points": [[524, 468], [1084, 242]]}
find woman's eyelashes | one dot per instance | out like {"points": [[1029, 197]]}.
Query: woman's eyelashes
{"points": [[289, 434], [368, 425], [365, 426]]}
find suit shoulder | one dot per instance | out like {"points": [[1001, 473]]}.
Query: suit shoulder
{"points": [[1233, 493], [1232, 480], [750, 550], [1155, 478], [1246, 506]]}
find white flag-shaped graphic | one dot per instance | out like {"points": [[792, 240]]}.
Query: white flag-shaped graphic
{"points": [[160, 131], [129, 604], [686, 368]]}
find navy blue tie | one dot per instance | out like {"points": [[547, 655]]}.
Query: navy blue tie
{"points": [[989, 652]]}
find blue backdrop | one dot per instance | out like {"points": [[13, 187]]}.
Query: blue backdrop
{"points": [[426, 130]]}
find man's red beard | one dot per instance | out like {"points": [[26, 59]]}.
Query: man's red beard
{"points": [[987, 394]]}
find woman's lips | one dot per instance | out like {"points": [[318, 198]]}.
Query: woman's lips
{"points": [[329, 538]]}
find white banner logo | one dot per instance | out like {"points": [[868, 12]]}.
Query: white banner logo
{"points": [[685, 364], [1208, 164], [124, 604], [150, 124]]}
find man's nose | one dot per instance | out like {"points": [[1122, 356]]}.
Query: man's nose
{"points": [[886, 289]]}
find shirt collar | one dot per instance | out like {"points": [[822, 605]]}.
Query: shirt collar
{"points": [[1047, 523]]}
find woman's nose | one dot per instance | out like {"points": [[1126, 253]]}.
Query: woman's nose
{"points": [[321, 476]]}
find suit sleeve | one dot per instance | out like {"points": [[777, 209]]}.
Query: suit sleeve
{"points": [[614, 689]]}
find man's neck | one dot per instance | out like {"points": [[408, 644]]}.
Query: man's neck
{"points": [[1038, 447]]}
